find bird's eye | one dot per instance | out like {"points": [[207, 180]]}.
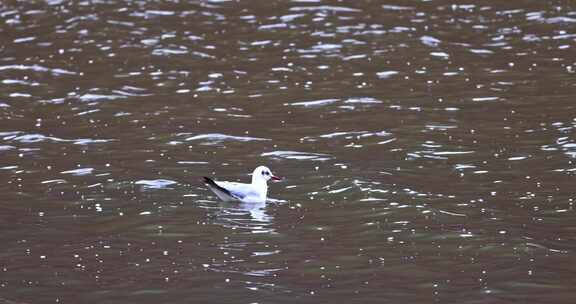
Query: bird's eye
{"points": [[266, 173]]}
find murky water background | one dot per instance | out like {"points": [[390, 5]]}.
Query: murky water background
{"points": [[428, 149]]}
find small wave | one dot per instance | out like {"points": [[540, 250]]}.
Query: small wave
{"points": [[33, 138], [155, 183], [6, 148], [386, 74], [329, 8], [168, 52], [8, 167], [79, 172], [186, 162], [54, 181], [430, 41], [89, 141], [89, 97], [298, 155], [361, 101], [487, 98], [364, 100], [219, 137], [37, 68], [397, 7], [36, 137], [314, 103], [351, 135], [345, 134]]}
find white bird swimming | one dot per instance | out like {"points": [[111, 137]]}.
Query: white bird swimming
{"points": [[255, 192]]}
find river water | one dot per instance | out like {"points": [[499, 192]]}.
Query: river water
{"points": [[428, 150]]}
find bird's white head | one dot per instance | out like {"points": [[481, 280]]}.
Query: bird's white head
{"points": [[262, 173]]}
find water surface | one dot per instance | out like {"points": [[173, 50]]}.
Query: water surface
{"points": [[428, 151]]}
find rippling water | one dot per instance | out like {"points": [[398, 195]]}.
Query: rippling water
{"points": [[428, 149]]}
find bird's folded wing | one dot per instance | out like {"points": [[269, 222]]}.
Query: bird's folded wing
{"points": [[238, 190]]}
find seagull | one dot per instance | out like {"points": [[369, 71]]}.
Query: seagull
{"points": [[254, 192]]}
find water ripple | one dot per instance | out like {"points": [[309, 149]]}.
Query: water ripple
{"points": [[325, 8], [218, 138], [155, 183], [408, 130], [313, 103], [90, 97], [37, 68], [297, 155], [79, 172], [35, 138]]}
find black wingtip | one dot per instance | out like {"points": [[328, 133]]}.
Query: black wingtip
{"points": [[210, 182]]}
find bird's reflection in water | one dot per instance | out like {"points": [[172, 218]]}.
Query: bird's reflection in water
{"points": [[247, 217]]}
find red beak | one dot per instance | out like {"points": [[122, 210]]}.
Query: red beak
{"points": [[275, 177]]}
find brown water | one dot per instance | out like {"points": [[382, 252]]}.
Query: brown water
{"points": [[429, 151]]}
